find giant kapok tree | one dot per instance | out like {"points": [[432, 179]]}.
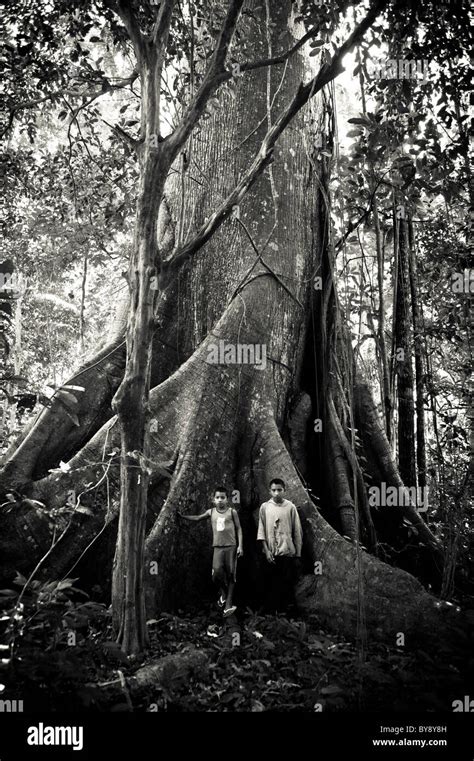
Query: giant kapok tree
{"points": [[230, 360]]}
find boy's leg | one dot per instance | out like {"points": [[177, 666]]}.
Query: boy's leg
{"points": [[282, 583], [270, 574], [219, 572], [279, 583], [231, 570], [230, 592], [287, 582]]}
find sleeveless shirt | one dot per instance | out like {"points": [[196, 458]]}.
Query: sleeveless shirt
{"points": [[223, 528]]}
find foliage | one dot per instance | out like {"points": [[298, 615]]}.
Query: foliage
{"points": [[279, 665], [406, 156], [292, 665], [51, 632]]}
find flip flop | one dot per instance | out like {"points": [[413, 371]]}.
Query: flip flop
{"points": [[228, 611]]}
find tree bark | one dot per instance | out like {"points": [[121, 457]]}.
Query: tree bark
{"points": [[419, 374], [380, 460], [403, 360], [172, 673], [381, 343]]}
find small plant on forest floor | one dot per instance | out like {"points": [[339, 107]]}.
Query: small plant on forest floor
{"points": [[50, 630]]}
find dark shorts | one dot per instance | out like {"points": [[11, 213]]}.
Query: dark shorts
{"points": [[224, 560]]}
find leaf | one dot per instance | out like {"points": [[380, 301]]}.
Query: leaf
{"points": [[359, 120], [73, 417], [64, 467], [84, 509], [33, 503], [66, 583], [230, 696], [67, 399], [315, 644], [331, 689], [20, 579]]}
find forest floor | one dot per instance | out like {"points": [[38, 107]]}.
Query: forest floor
{"points": [[260, 663]]}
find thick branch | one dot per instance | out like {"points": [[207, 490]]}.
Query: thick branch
{"points": [[151, 76], [282, 57], [123, 135], [162, 23], [130, 23], [214, 76], [227, 32]]}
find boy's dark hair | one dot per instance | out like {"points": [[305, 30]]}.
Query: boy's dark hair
{"points": [[277, 482], [221, 488]]}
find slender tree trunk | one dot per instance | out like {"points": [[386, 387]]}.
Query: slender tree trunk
{"points": [[419, 374], [381, 344], [403, 360], [82, 307], [132, 398]]}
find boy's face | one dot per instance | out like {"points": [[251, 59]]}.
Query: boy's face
{"points": [[277, 491], [220, 499]]}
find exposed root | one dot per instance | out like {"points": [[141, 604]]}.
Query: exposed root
{"points": [[393, 601]]}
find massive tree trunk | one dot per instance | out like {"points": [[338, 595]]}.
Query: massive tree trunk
{"points": [[223, 384]]}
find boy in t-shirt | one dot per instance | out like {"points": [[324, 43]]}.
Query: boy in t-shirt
{"points": [[228, 546], [279, 530]]}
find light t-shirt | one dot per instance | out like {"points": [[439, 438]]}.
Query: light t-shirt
{"points": [[280, 527]]}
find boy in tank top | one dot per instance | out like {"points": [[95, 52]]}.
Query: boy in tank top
{"points": [[227, 544]]}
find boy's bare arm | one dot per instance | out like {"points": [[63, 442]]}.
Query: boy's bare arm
{"points": [[266, 551], [297, 531], [240, 537], [195, 517], [261, 534]]}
